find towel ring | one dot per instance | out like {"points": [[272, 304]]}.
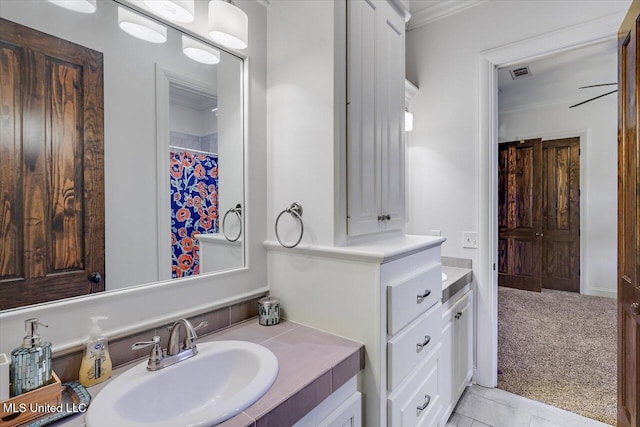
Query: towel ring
{"points": [[238, 211], [296, 211]]}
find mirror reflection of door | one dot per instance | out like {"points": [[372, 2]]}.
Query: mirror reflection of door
{"points": [[51, 168], [193, 169]]}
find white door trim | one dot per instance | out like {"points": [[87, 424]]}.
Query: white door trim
{"points": [[561, 40]]}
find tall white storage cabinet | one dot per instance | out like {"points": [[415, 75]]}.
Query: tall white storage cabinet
{"points": [[387, 296], [375, 117]]}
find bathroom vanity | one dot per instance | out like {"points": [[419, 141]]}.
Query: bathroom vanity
{"points": [[385, 294], [316, 383]]}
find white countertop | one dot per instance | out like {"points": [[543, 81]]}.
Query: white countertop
{"points": [[379, 251]]}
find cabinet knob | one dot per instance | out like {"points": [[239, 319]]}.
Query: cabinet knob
{"points": [[635, 307], [458, 315]]}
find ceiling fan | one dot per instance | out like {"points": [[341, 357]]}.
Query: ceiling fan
{"points": [[596, 97]]}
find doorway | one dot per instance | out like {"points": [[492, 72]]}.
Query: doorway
{"points": [[539, 214], [542, 336]]}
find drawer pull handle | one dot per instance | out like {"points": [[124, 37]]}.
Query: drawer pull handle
{"points": [[458, 315], [427, 400], [421, 298], [422, 345]]}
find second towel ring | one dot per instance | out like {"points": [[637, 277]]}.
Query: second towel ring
{"points": [[238, 211], [296, 211]]}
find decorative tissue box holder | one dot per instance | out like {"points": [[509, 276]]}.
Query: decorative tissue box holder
{"points": [[31, 405]]}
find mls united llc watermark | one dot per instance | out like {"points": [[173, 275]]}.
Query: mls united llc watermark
{"points": [[44, 408]]}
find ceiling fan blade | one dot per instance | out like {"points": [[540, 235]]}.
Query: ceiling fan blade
{"points": [[603, 84], [594, 98]]}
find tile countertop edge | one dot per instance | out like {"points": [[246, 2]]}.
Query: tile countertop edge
{"points": [[379, 251], [340, 369], [457, 278]]}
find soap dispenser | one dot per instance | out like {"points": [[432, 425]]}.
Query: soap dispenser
{"points": [[30, 363], [96, 361]]}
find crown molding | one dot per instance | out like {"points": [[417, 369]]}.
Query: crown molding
{"points": [[440, 10]]}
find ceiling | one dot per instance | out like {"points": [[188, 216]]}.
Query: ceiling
{"points": [[426, 11], [555, 79]]}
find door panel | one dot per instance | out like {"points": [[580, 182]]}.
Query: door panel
{"points": [[52, 153], [561, 214], [519, 214], [628, 218], [11, 233]]}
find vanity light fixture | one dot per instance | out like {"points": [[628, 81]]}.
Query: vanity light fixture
{"points": [[141, 27], [176, 10], [228, 24], [82, 6], [408, 121], [199, 51]]}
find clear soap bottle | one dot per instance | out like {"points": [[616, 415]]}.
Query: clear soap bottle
{"points": [[30, 363]]}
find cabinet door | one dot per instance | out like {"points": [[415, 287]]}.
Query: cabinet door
{"points": [[363, 137], [463, 342], [375, 117], [349, 414], [447, 377], [390, 77]]}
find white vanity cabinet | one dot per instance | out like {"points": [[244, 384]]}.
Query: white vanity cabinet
{"points": [[457, 349], [385, 295], [375, 117]]}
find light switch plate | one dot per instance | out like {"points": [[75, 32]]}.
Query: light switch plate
{"points": [[470, 239]]}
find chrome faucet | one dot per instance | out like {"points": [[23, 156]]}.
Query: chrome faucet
{"points": [[175, 352]]}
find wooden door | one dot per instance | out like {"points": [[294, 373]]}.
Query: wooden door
{"points": [[519, 214], [561, 214], [628, 220], [51, 167]]}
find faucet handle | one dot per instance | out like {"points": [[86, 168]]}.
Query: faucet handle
{"points": [[142, 344], [156, 354], [203, 324]]}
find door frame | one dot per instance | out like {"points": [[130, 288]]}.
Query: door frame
{"points": [[565, 39]]}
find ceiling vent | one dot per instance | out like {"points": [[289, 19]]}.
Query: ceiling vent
{"points": [[520, 72]]}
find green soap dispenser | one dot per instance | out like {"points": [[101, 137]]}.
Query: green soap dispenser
{"points": [[30, 363]]}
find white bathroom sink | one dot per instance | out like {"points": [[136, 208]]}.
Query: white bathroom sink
{"points": [[444, 277], [224, 378]]}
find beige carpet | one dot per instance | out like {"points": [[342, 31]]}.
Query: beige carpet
{"points": [[559, 348]]}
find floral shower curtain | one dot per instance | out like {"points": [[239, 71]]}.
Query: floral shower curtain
{"points": [[194, 207]]}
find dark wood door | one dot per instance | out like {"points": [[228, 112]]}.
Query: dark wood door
{"points": [[519, 214], [561, 214], [628, 220], [51, 167]]}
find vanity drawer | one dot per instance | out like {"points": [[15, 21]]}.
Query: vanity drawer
{"points": [[408, 348], [412, 296], [418, 403]]}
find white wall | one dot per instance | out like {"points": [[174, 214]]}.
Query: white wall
{"points": [[597, 123], [300, 105], [192, 121], [442, 59], [136, 307]]}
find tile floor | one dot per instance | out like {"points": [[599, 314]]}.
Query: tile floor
{"points": [[491, 407]]}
